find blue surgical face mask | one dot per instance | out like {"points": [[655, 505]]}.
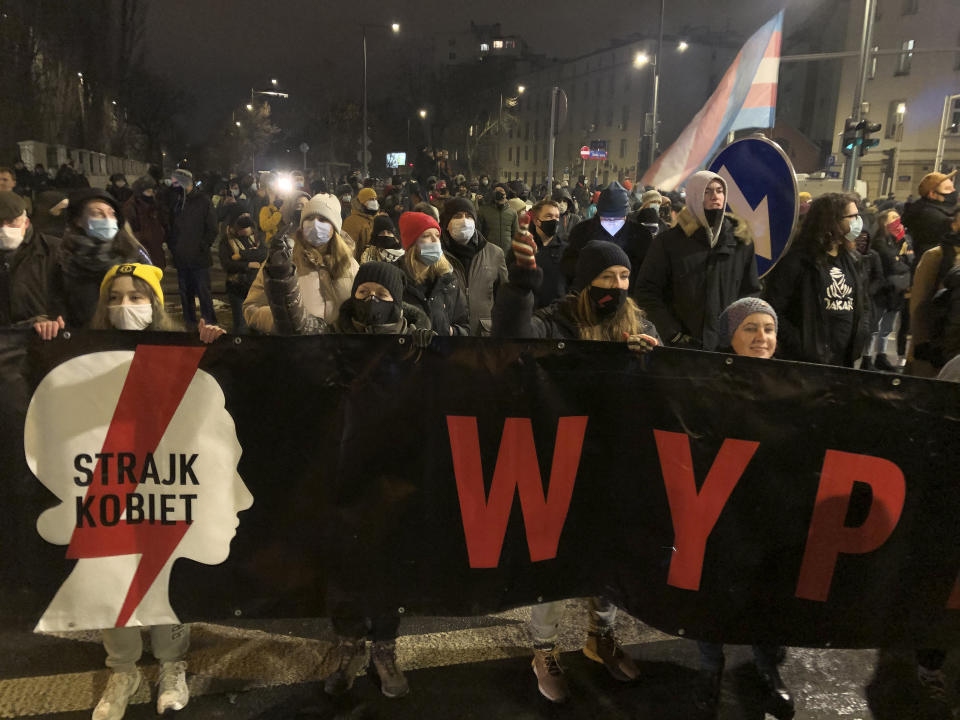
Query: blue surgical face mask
{"points": [[430, 252], [856, 227], [104, 229]]}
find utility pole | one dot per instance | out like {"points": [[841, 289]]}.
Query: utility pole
{"points": [[866, 43], [553, 134]]}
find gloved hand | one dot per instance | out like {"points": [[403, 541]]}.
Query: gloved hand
{"points": [[640, 343], [279, 259], [525, 250], [422, 337], [682, 340]]}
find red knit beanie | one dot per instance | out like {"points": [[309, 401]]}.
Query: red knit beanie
{"points": [[414, 224]]}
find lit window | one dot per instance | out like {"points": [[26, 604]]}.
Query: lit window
{"points": [[484, 47], [905, 58], [498, 44], [510, 44]]}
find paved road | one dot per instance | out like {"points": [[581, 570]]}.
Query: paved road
{"points": [[458, 669]]}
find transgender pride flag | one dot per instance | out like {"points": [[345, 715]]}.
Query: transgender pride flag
{"points": [[745, 98]]}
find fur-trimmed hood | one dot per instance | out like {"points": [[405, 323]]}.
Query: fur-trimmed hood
{"points": [[690, 224]]}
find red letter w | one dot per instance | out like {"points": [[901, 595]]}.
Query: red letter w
{"points": [[485, 521]]}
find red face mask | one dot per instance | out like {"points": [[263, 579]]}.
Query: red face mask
{"points": [[896, 229]]}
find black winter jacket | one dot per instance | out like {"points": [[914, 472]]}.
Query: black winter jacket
{"points": [[27, 279], [684, 284], [794, 287], [413, 318], [239, 273], [442, 300], [896, 273], [514, 316], [633, 238], [193, 229]]}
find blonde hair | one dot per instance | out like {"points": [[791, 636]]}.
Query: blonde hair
{"points": [[161, 321], [421, 272], [336, 256], [627, 320]]}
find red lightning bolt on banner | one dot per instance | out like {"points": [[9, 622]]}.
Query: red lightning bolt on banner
{"points": [[155, 385]]}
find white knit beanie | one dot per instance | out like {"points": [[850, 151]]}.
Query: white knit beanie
{"points": [[326, 206]]}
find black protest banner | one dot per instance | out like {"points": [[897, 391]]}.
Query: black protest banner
{"points": [[150, 480]]}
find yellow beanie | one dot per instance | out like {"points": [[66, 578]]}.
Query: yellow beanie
{"points": [[366, 195], [150, 274]]}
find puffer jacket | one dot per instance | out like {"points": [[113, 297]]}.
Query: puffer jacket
{"points": [[441, 299], [359, 226], [498, 224], [296, 300]]}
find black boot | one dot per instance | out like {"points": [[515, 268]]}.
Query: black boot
{"points": [[779, 699], [883, 364], [706, 694], [866, 362]]}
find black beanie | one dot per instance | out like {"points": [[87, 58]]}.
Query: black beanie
{"points": [[387, 274], [80, 198], [614, 201], [454, 206], [383, 223], [597, 256]]}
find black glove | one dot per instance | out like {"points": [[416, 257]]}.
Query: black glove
{"points": [[422, 337], [279, 260]]}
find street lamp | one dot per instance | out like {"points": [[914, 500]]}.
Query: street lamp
{"points": [[641, 59], [423, 114], [238, 123], [273, 82], [682, 46], [521, 89], [395, 27], [249, 106]]}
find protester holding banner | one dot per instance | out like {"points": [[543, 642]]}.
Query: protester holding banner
{"points": [[597, 309], [431, 283], [817, 290], [697, 268], [131, 298], [376, 306], [301, 293], [747, 327], [96, 239]]}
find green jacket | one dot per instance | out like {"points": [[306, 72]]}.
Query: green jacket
{"points": [[498, 225]]}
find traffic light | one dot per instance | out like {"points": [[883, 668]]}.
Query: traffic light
{"points": [[865, 129], [849, 137]]}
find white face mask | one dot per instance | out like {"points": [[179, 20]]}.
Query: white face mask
{"points": [[11, 237], [131, 317], [462, 229], [563, 206], [372, 205], [613, 226], [317, 232]]}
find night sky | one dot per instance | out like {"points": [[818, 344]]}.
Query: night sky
{"points": [[218, 49]]}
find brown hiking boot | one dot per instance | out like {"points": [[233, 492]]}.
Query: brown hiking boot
{"points": [[602, 647], [550, 679], [393, 683]]}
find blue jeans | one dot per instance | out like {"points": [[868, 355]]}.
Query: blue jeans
{"points": [[195, 284]]}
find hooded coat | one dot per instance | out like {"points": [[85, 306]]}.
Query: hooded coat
{"points": [[498, 223], [359, 225], [192, 230], [693, 271]]}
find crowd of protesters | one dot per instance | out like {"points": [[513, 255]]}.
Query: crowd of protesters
{"points": [[445, 256]]}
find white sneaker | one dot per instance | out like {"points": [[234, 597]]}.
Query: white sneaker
{"points": [[172, 691], [120, 688]]}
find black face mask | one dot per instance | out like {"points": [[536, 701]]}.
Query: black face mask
{"points": [[499, 198], [549, 227], [386, 242], [374, 311], [950, 198], [606, 301]]}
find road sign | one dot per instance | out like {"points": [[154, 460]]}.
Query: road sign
{"points": [[304, 148], [762, 190], [598, 150], [585, 152]]}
